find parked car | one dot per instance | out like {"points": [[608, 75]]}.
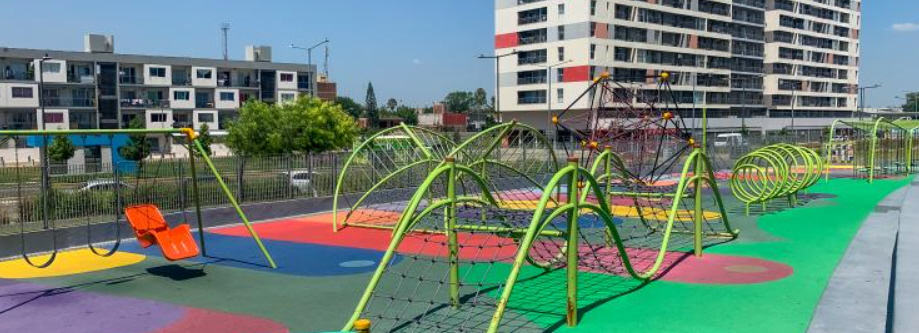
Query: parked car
{"points": [[730, 140], [103, 185], [300, 180]]}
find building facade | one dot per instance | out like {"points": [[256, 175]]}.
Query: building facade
{"points": [[98, 88], [747, 62]]}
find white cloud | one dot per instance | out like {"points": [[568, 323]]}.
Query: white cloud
{"points": [[905, 27], [416, 61]]}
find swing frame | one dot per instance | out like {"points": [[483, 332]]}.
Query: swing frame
{"points": [[194, 146]]}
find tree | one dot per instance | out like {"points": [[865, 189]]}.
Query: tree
{"points": [[307, 125], [353, 109], [392, 104], [137, 148], [370, 106], [480, 99], [255, 131], [459, 101], [912, 102], [61, 149], [205, 139], [408, 114], [310, 125]]}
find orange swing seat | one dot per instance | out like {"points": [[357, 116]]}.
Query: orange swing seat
{"points": [[150, 228]]}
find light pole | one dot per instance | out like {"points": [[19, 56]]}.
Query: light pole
{"points": [[498, 79], [309, 57], [861, 99], [549, 95]]}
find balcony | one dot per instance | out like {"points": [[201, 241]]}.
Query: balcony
{"points": [[204, 104], [183, 81], [69, 102], [144, 103], [131, 79], [18, 76]]}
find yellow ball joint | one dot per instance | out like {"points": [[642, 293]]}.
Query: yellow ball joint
{"points": [[604, 75], [665, 76], [594, 145], [189, 133], [691, 142], [362, 325], [667, 115], [583, 143], [555, 120]]}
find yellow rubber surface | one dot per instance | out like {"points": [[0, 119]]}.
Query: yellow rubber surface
{"points": [[67, 263]]}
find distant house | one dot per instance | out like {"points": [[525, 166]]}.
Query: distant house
{"points": [[442, 120]]}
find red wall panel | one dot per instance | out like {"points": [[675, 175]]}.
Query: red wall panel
{"points": [[576, 74], [506, 40]]}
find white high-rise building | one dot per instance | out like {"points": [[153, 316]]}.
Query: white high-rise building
{"points": [[737, 59]]}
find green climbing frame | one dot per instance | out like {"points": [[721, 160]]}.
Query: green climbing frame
{"points": [[776, 171]]}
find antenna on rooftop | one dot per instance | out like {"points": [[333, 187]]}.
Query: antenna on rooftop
{"points": [[225, 28]]}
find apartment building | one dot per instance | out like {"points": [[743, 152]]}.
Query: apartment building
{"points": [[97, 88], [812, 56], [747, 62]]}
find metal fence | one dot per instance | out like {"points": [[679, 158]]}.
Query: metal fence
{"points": [[78, 194]]}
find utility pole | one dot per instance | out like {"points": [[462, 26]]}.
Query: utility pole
{"points": [[549, 97], [498, 79], [225, 28], [309, 57], [861, 99]]}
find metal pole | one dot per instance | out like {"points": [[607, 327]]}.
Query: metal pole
{"points": [[43, 152], [697, 213], [794, 135], [453, 240], [195, 195], [498, 88], [572, 247]]}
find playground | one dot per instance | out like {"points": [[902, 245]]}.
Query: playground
{"points": [[645, 227]]}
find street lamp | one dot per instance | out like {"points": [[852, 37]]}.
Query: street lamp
{"points": [[549, 94], [861, 99], [309, 57], [497, 79]]}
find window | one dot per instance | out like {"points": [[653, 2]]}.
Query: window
{"points": [[287, 77], [158, 71], [180, 95], [561, 54], [285, 97], [158, 118], [593, 7], [227, 96], [51, 67], [593, 50], [560, 95], [54, 118], [22, 92], [204, 73], [205, 117], [561, 32], [561, 9]]}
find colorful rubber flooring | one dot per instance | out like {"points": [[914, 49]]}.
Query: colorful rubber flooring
{"points": [[768, 280]]}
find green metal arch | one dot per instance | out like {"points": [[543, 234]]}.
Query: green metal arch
{"points": [[344, 170]]}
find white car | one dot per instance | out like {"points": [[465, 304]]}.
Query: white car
{"points": [[300, 180], [103, 185], [730, 140]]}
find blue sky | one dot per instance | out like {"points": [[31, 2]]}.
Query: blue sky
{"points": [[416, 51]]}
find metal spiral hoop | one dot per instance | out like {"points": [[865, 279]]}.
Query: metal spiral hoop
{"points": [[776, 171]]}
